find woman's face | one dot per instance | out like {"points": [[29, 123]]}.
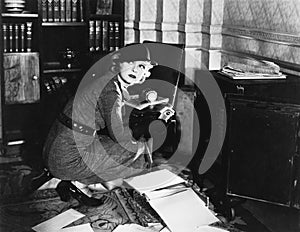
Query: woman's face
{"points": [[135, 72]]}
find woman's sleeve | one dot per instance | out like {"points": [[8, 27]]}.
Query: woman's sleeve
{"points": [[110, 104]]}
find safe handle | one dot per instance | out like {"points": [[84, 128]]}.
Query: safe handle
{"points": [[35, 77]]}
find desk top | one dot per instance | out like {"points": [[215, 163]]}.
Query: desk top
{"points": [[290, 79], [280, 90]]}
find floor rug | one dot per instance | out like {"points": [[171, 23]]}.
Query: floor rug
{"points": [[21, 214], [119, 208]]}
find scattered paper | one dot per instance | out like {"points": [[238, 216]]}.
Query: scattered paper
{"points": [[151, 195], [210, 229], [80, 228], [155, 226], [59, 221], [154, 180], [133, 228], [183, 211], [51, 184]]}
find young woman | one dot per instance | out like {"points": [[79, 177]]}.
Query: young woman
{"points": [[91, 142]]}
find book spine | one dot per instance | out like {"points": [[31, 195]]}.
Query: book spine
{"points": [[22, 37], [63, 10], [92, 35], [97, 40], [44, 10], [105, 36], [17, 37], [68, 10], [56, 10], [29, 35], [117, 36], [111, 36], [10, 38], [81, 11], [50, 11], [5, 37], [74, 11], [101, 35]]}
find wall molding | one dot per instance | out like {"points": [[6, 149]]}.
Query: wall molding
{"points": [[266, 36]]}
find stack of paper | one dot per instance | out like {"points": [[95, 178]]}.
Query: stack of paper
{"points": [[179, 206], [183, 211], [255, 70], [155, 180]]}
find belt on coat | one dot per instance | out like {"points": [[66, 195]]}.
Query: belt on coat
{"points": [[79, 127]]}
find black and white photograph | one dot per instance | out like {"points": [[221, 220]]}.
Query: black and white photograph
{"points": [[150, 115]]}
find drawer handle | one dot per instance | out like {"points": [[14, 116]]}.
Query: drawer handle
{"points": [[35, 78]]}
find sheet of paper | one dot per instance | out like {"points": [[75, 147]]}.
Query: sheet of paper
{"points": [[151, 195], [183, 211], [165, 230], [80, 228], [59, 221], [210, 229], [154, 180], [132, 228]]}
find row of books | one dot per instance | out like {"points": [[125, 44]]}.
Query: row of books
{"points": [[104, 35], [62, 10], [17, 37]]}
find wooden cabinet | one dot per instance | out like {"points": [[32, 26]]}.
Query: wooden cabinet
{"points": [[20, 79], [262, 147], [261, 150]]}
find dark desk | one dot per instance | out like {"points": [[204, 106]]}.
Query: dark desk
{"points": [[261, 148], [283, 90]]}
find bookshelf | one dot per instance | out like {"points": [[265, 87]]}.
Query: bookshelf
{"points": [[76, 25], [57, 36], [20, 79], [71, 44], [106, 31]]}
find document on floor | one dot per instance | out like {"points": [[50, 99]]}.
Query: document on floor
{"points": [[152, 181], [210, 229], [134, 228], [80, 228], [58, 222], [183, 211], [178, 205]]}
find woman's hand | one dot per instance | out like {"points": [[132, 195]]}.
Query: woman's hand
{"points": [[145, 147], [141, 148]]}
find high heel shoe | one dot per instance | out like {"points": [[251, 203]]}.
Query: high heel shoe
{"points": [[34, 181], [66, 190]]}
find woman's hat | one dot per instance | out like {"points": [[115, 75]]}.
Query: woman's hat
{"points": [[135, 52]]}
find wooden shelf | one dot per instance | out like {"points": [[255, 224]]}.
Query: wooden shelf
{"points": [[15, 53], [10, 159], [63, 24], [63, 70], [100, 52], [112, 17], [11, 15]]}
